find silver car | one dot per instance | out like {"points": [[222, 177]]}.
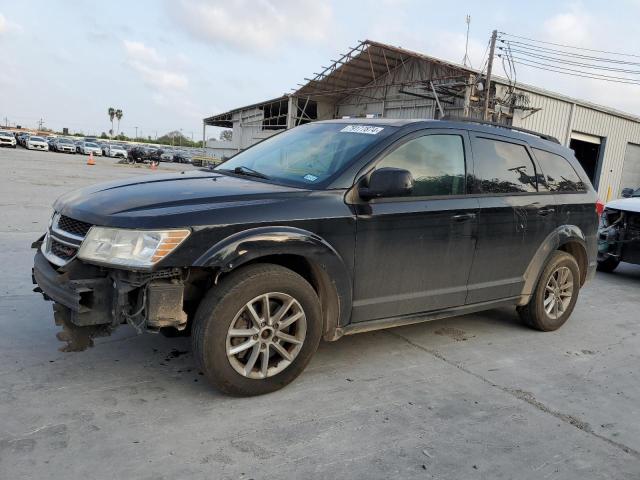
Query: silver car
{"points": [[89, 147], [7, 139]]}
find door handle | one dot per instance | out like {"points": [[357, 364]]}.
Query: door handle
{"points": [[543, 212], [463, 217]]}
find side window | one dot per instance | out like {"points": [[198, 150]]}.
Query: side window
{"points": [[503, 167], [436, 163], [558, 174]]}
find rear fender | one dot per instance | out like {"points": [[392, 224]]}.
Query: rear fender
{"points": [[327, 265], [554, 241]]}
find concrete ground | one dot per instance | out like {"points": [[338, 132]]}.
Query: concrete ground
{"points": [[479, 396]]}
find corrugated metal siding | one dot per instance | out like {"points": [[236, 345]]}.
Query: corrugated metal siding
{"points": [[554, 117]]}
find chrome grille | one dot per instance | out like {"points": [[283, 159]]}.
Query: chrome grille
{"points": [[63, 239], [75, 227]]}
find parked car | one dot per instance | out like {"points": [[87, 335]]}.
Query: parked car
{"points": [[88, 147], [36, 143], [64, 145], [259, 258], [22, 139], [166, 156], [139, 154], [181, 157], [619, 233], [7, 139], [115, 151]]}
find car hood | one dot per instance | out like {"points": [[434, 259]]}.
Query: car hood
{"points": [[171, 200], [628, 204]]}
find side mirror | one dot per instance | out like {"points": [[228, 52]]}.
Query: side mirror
{"points": [[388, 182], [627, 192]]}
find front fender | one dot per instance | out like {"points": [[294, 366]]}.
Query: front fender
{"points": [[248, 245]]}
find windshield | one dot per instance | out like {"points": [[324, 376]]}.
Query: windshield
{"points": [[636, 193], [89, 144], [64, 140], [36, 139], [5, 134], [308, 155]]}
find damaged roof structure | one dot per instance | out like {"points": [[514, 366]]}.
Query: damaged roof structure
{"points": [[376, 80]]}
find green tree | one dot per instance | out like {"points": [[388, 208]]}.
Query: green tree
{"points": [[112, 113], [118, 113]]}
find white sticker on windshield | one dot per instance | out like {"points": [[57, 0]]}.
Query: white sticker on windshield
{"points": [[368, 129], [310, 178]]}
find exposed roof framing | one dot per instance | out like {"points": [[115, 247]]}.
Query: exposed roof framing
{"points": [[360, 67], [226, 119]]}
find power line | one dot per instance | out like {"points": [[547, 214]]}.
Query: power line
{"points": [[572, 62], [539, 49], [571, 46], [575, 73]]}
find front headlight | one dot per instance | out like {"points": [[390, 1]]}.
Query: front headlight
{"points": [[130, 248]]}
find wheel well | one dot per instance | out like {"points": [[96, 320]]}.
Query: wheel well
{"points": [[319, 280], [577, 251]]}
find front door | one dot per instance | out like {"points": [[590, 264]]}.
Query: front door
{"points": [[414, 253]]}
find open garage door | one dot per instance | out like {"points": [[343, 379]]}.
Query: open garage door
{"points": [[631, 167], [587, 149]]}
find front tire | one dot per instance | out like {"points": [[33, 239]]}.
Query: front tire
{"points": [[555, 295], [257, 330]]}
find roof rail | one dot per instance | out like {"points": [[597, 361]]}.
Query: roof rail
{"points": [[501, 125]]}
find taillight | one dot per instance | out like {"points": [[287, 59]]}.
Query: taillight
{"points": [[599, 207]]}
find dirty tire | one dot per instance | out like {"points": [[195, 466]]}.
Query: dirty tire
{"points": [[608, 265], [219, 309], [534, 312]]}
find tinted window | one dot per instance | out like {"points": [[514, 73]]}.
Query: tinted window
{"points": [[436, 163], [558, 174], [503, 167]]}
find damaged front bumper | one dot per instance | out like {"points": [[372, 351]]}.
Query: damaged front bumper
{"points": [[93, 300], [619, 236]]}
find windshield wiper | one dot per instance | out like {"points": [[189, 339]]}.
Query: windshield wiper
{"points": [[249, 172]]}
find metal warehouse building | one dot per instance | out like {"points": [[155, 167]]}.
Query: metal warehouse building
{"points": [[376, 80]]}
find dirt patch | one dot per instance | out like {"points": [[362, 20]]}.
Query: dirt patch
{"points": [[454, 333]]}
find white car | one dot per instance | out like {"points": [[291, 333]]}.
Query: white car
{"points": [[7, 139], [115, 151], [89, 147], [36, 143]]}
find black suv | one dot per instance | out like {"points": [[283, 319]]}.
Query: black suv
{"points": [[328, 229]]}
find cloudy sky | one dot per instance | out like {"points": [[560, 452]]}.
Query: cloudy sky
{"points": [[168, 64]]}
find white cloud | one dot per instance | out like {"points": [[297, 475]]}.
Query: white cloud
{"points": [[6, 26], [254, 25], [153, 67]]}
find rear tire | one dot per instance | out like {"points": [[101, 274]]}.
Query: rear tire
{"points": [[555, 295], [608, 265], [232, 316]]}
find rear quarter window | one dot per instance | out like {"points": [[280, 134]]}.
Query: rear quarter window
{"points": [[557, 173]]}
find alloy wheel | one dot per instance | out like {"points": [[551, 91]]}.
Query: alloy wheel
{"points": [[558, 292], [266, 335]]}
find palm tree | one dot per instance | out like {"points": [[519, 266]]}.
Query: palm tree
{"points": [[118, 115], [112, 113]]}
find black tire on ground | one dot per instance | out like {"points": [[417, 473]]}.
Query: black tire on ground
{"points": [[220, 306], [608, 264], [534, 312]]}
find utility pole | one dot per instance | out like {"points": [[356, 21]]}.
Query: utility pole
{"points": [[136, 132], [487, 87], [40, 123]]}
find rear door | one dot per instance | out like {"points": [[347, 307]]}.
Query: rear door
{"points": [[414, 253], [514, 216]]}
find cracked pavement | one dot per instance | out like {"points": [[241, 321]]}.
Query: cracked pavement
{"points": [[479, 396]]}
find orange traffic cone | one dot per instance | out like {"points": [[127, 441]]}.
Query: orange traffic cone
{"points": [[91, 161]]}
